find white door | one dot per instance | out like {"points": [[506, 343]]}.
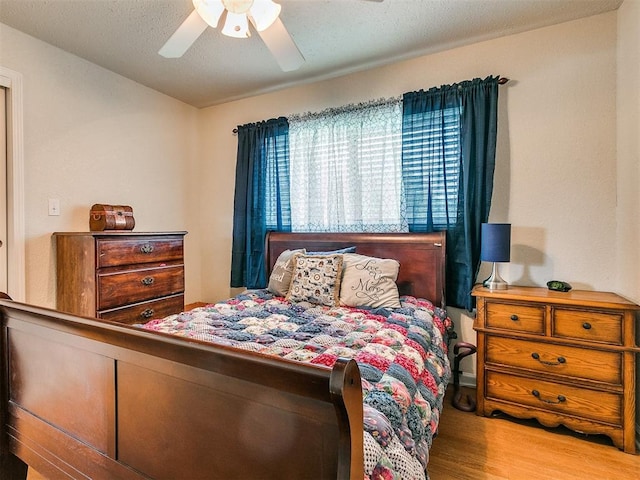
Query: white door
{"points": [[3, 191]]}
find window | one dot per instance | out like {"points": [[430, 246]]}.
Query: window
{"points": [[431, 161], [366, 168], [277, 190], [346, 169]]}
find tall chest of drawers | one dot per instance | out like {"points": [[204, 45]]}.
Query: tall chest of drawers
{"points": [[559, 357], [120, 276]]}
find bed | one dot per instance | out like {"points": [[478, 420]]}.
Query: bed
{"points": [[85, 398]]}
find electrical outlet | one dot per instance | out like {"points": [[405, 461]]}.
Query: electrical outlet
{"points": [[54, 207]]}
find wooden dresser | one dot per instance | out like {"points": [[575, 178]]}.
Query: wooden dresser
{"points": [[561, 358], [120, 276]]}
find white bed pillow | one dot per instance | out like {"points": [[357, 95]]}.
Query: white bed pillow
{"points": [[281, 273], [369, 282]]}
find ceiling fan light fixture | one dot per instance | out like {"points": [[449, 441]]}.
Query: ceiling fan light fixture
{"points": [[236, 25], [264, 13], [209, 10]]}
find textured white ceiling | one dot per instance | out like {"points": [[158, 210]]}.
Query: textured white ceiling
{"points": [[335, 36]]}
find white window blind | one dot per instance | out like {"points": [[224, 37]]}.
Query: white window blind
{"points": [[277, 191], [431, 163], [346, 172]]}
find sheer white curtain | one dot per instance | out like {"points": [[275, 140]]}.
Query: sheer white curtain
{"points": [[346, 169]]}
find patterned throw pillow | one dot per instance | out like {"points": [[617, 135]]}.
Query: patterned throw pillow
{"points": [[316, 279], [369, 282], [281, 273]]}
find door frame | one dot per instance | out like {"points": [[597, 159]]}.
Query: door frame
{"points": [[12, 81]]}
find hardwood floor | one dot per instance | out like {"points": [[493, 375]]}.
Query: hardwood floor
{"points": [[469, 447]]}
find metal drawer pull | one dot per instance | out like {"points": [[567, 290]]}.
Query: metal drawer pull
{"points": [[536, 356], [147, 248], [514, 317], [586, 326], [147, 281], [148, 313], [559, 398]]}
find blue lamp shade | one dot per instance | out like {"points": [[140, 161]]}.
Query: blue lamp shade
{"points": [[496, 242]]}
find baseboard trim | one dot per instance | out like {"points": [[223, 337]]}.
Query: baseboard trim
{"points": [[468, 380]]}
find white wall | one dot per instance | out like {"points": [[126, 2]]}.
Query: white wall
{"points": [[555, 178], [628, 174], [628, 177], [91, 136]]}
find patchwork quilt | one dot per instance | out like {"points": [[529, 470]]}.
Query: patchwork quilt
{"points": [[401, 354]]}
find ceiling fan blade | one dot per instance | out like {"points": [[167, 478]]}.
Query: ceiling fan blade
{"points": [[184, 36], [282, 46]]}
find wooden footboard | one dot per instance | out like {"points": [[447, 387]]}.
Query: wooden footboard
{"points": [[85, 398]]}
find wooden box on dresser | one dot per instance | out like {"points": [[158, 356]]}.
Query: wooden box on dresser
{"points": [[559, 357], [120, 276]]}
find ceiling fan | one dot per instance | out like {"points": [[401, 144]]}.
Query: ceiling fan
{"points": [[263, 15]]}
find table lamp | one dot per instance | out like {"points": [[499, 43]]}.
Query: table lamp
{"points": [[495, 247]]}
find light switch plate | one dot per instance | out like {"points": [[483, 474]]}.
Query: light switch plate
{"points": [[54, 207]]}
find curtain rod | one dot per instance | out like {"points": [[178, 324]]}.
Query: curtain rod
{"points": [[501, 81]]}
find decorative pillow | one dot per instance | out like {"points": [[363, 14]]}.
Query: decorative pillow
{"points": [[281, 274], [335, 252], [316, 279], [369, 282]]}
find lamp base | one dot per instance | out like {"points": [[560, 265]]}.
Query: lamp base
{"points": [[495, 281]]}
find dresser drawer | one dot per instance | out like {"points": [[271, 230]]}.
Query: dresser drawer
{"points": [[575, 362], [588, 325], [145, 311], [515, 317], [555, 397], [131, 286], [112, 252]]}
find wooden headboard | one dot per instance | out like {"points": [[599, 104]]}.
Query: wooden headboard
{"points": [[421, 255]]}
